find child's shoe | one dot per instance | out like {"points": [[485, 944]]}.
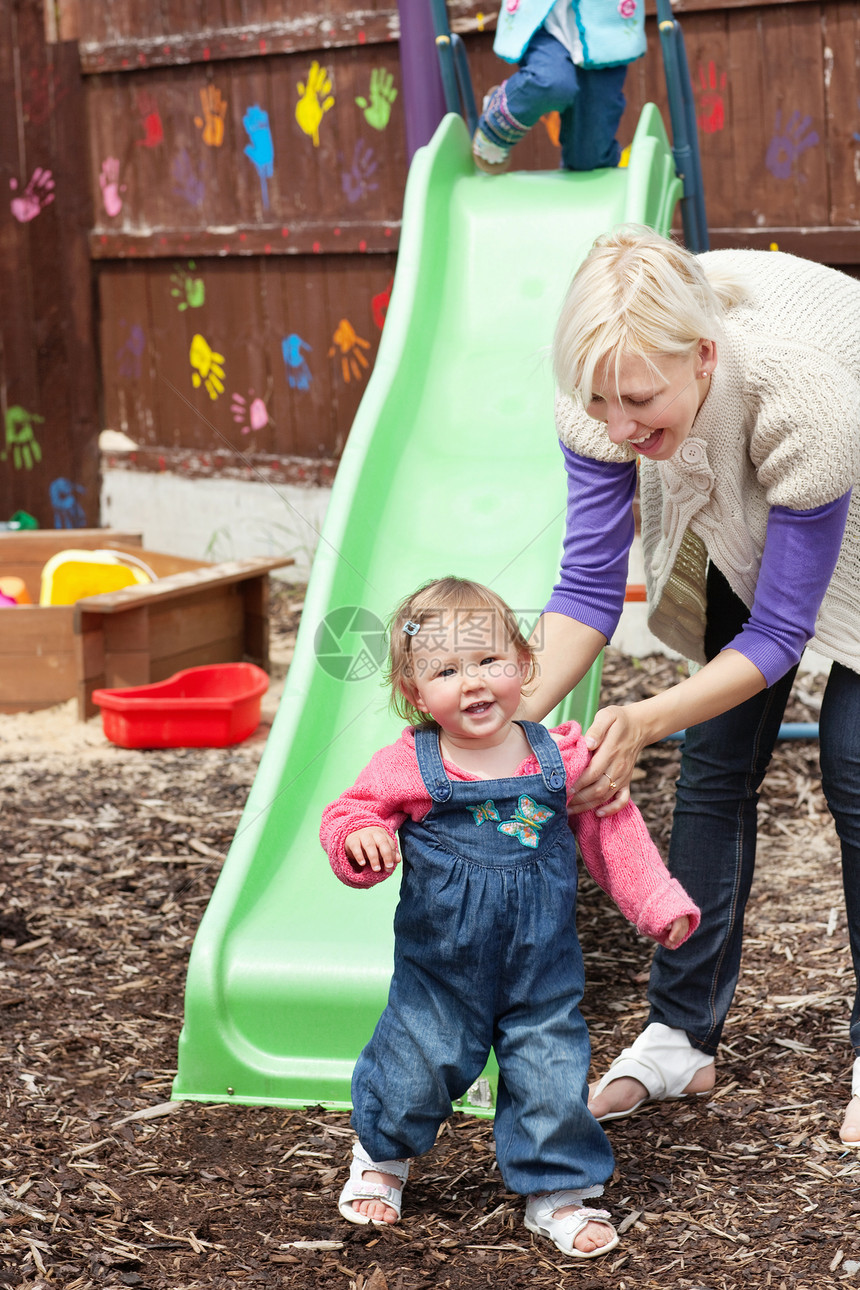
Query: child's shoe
{"points": [[541, 1219], [356, 1188], [489, 156]]}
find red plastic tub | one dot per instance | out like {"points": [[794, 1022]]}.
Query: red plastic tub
{"points": [[201, 707]]}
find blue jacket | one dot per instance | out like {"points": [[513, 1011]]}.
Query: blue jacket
{"points": [[612, 31]]}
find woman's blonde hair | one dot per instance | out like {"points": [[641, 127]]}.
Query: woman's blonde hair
{"points": [[637, 293], [427, 607]]}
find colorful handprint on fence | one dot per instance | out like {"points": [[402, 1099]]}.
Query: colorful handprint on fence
{"points": [[187, 182], [131, 351], [112, 189], [38, 194], [379, 305], [214, 110], [711, 115], [21, 438], [68, 512], [358, 181], [207, 365], [788, 144], [350, 345], [315, 99], [380, 99], [189, 292], [249, 413], [293, 351], [261, 148], [150, 119]]}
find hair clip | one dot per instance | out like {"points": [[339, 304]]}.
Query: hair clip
{"points": [[410, 628]]}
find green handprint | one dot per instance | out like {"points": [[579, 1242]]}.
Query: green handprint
{"points": [[315, 99], [190, 292], [377, 112], [21, 439]]}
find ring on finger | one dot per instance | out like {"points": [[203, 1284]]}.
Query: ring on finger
{"points": [[612, 783]]}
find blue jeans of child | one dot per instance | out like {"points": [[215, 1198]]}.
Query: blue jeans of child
{"points": [[712, 851], [589, 100]]}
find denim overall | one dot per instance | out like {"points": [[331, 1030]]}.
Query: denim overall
{"points": [[486, 955]]}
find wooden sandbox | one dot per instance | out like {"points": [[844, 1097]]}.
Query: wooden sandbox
{"points": [[194, 613]]}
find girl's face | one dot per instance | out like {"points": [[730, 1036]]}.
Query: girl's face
{"points": [[652, 409], [467, 675]]}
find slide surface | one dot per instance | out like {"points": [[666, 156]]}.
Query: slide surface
{"points": [[452, 466]]}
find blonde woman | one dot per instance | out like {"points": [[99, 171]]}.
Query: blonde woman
{"points": [[732, 380]]}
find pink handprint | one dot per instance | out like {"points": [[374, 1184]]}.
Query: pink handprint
{"points": [[110, 186], [250, 416], [38, 194]]}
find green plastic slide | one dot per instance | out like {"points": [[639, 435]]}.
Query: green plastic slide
{"points": [[452, 466]]}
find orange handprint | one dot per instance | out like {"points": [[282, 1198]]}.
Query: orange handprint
{"points": [[214, 107], [351, 358]]}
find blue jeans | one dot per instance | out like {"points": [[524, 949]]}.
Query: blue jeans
{"points": [[486, 956], [712, 851], [589, 100]]}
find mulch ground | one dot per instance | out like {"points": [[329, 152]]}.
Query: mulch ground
{"points": [[109, 858]]}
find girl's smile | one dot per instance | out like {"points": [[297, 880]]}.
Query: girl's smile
{"points": [[467, 676]]}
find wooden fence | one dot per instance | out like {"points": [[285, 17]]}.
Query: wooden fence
{"points": [[245, 171]]}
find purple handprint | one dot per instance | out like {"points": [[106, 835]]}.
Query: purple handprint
{"points": [[785, 148], [186, 181], [38, 194], [357, 182]]}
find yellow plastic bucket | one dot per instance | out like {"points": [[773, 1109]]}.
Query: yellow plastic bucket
{"points": [[70, 575]]}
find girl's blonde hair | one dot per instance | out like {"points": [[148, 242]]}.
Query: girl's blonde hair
{"points": [[637, 293], [431, 602]]}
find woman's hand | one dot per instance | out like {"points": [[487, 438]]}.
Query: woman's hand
{"points": [[617, 736]]}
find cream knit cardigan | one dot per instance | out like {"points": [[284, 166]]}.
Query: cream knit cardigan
{"points": [[780, 426]]}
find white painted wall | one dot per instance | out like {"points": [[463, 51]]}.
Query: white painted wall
{"points": [[217, 519]]}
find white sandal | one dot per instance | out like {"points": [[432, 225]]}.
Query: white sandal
{"points": [[356, 1188], [661, 1058], [540, 1218]]}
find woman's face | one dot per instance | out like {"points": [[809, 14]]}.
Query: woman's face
{"points": [[652, 408]]}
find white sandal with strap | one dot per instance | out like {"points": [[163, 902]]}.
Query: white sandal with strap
{"points": [[661, 1058], [540, 1218], [356, 1188]]}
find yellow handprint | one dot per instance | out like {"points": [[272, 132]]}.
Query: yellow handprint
{"points": [[351, 358], [315, 99], [208, 371]]}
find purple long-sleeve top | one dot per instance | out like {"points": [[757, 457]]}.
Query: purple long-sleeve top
{"points": [[800, 553]]}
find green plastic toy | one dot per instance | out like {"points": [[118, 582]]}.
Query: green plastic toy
{"points": [[452, 466]]}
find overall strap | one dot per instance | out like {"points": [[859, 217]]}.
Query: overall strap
{"points": [[546, 750], [430, 765]]}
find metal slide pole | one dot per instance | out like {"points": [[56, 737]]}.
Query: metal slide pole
{"points": [[685, 141]]}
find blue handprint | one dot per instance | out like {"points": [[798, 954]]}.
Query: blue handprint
{"points": [[261, 149], [785, 148], [298, 372], [357, 182], [68, 512]]}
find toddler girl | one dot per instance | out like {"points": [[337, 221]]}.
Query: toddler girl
{"points": [[486, 953]]}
